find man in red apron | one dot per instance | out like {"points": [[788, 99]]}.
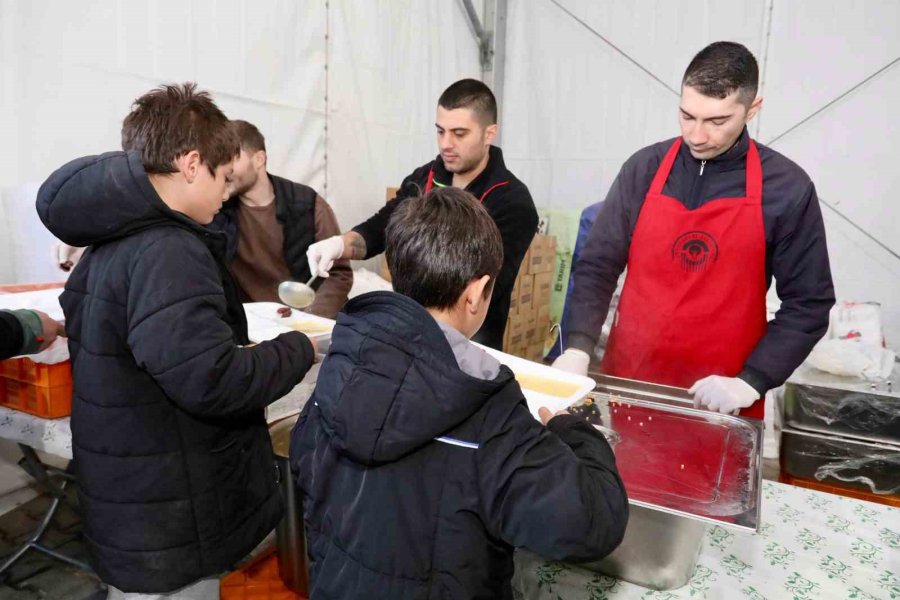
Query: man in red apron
{"points": [[703, 223], [466, 127]]}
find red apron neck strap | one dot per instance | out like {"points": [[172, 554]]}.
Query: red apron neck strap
{"points": [[430, 183], [659, 180], [754, 173]]}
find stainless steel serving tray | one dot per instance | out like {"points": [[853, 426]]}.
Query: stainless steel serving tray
{"points": [[674, 458], [674, 490], [826, 403]]}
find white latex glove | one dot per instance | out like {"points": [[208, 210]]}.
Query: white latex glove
{"points": [[321, 255], [65, 256], [727, 395], [574, 361]]}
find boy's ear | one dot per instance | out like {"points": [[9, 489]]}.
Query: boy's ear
{"points": [[189, 165], [475, 296]]}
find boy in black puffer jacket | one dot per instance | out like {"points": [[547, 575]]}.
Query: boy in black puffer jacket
{"points": [[420, 465], [176, 477]]}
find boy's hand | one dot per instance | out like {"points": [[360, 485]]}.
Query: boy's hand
{"points": [[545, 414], [66, 257], [51, 329]]}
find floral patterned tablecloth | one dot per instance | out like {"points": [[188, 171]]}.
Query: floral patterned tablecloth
{"points": [[53, 436], [810, 545]]}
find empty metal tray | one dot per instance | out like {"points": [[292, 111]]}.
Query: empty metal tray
{"points": [[682, 468], [673, 457]]}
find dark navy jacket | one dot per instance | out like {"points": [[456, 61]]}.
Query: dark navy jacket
{"points": [[418, 480], [176, 476], [796, 253]]}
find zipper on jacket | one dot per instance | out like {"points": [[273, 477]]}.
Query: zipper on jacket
{"points": [[702, 164]]}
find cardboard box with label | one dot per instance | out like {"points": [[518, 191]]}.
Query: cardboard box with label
{"points": [[542, 254]]}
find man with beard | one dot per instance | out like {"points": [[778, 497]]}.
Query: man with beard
{"points": [[270, 222]]}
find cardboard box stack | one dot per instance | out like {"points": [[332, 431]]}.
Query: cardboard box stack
{"points": [[529, 310]]}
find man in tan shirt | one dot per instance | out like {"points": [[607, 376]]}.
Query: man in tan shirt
{"points": [[269, 223]]}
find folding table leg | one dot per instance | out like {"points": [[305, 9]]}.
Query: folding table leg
{"points": [[37, 469]]}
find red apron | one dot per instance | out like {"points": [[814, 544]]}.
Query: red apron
{"points": [[694, 300]]}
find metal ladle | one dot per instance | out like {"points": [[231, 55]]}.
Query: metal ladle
{"points": [[296, 294]]}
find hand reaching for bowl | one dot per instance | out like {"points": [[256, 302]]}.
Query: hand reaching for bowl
{"points": [[545, 414]]}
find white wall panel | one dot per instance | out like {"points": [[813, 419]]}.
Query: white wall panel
{"points": [[389, 62], [818, 50], [72, 69]]}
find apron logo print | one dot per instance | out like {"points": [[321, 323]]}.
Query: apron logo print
{"points": [[695, 251]]}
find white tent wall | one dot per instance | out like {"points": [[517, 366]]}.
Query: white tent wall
{"points": [[70, 71], [389, 61], [817, 53], [575, 108]]}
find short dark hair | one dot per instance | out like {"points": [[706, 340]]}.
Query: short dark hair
{"points": [[172, 120], [474, 95], [249, 136], [437, 244], [721, 68]]}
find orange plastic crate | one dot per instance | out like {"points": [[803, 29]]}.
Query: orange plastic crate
{"points": [[839, 490], [259, 580], [43, 401], [28, 371]]}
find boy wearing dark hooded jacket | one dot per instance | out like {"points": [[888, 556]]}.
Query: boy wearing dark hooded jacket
{"points": [[175, 471], [420, 464]]}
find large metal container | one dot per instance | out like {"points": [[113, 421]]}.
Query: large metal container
{"points": [[870, 466], [293, 563], [845, 406], [659, 551], [683, 469]]}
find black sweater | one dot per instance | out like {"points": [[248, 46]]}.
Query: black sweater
{"points": [[796, 254], [509, 204], [12, 335]]}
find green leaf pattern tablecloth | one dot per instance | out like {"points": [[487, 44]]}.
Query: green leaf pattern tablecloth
{"points": [[811, 545]]}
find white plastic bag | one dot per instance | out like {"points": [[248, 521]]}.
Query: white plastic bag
{"points": [[858, 321], [851, 358]]}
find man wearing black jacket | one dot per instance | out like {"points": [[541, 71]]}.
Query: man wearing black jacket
{"points": [[703, 223], [466, 125]]}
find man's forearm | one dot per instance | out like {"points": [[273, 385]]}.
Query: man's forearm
{"points": [[354, 246]]}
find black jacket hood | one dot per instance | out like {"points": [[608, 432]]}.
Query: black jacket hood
{"points": [[95, 199], [391, 383]]}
